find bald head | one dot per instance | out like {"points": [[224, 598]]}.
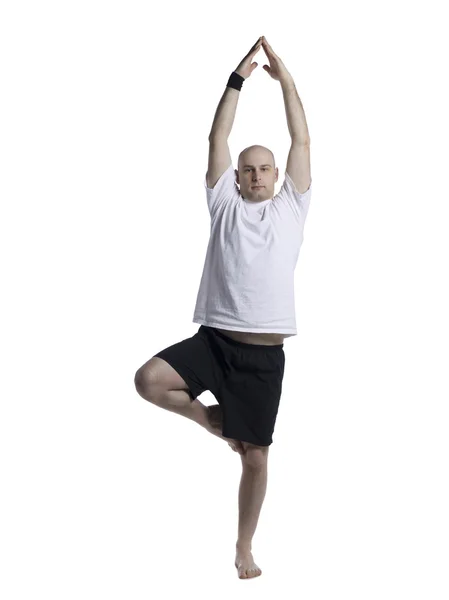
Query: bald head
{"points": [[256, 173], [260, 152]]}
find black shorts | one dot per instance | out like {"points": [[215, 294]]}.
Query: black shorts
{"points": [[246, 380]]}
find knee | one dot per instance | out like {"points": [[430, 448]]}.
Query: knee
{"points": [[255, 457], [143, 382]]}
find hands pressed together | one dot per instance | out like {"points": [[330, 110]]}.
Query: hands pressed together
{"points": [[276, 70]]}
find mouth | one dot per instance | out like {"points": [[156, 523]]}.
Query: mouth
{"points": [[257, 187]]}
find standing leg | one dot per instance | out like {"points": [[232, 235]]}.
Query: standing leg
{"points": [[253, 485]]}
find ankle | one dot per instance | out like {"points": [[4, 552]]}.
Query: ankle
{"points": [[242, 546]]}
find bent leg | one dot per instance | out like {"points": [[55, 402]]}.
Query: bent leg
{"points": [[159, 383]]}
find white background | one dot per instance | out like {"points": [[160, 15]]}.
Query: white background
{"points": [[105, 117]]}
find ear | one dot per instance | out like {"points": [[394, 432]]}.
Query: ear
{"points": [[237, 176]]}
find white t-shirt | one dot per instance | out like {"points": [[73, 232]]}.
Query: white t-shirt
{"points": [[248, 275]]}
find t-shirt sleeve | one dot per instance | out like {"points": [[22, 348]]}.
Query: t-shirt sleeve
{"points": [[224, 190], [296, 202]]}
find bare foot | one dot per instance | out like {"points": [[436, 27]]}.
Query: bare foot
{"points": [[215, 419], [246, 567]]}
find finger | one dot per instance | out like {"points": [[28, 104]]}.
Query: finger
{"points": [[266, 45], [256, 45]]}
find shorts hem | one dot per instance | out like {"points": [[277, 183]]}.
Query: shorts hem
{"points": [[247, 439]]}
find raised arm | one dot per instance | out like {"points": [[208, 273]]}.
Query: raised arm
{"points": [[225, 114], [219, 155], [298, 162]]}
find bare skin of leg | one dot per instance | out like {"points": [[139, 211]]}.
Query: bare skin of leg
{"points": [[253, 486]]}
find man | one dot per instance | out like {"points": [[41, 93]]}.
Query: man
{"points": [[245, 303]]}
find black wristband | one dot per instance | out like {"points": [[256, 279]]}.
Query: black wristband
{"points": [[235, 81]]}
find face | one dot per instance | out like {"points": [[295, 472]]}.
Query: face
{"points": [[256, 169]]}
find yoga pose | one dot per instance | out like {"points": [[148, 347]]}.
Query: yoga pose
{"points": [[245, 304]]}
